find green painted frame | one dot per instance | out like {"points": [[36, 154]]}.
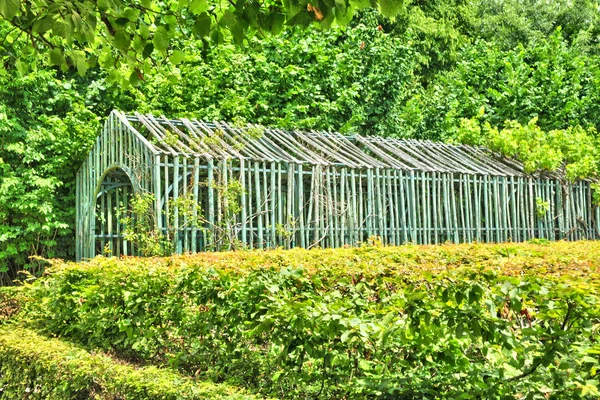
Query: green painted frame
{"points": [[308, 189]]}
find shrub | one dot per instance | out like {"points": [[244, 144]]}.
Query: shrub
{"points": [[451, 321], [32, 366]]}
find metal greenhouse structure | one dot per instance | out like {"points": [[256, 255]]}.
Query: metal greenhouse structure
{"points": [[213, 186]]}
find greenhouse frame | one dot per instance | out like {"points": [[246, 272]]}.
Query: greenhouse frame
{"points": [[214, 186]]}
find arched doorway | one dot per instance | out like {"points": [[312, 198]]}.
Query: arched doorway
{"points": [[112, 198]]}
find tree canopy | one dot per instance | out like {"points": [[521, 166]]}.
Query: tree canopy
{"points": [[139, 33]]}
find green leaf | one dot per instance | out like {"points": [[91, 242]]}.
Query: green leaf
{"points": [[360, 3], [237, 32], [391, 8], [445, 296], [590, 388], [78, 58], [201, 27], [132, 14], [460, 328], [198, 6], [106, 58], [173, 78], [588, 359], [472, 296], [148, 49], [22, 67], [43, 25], [56, 57], [343, 15], [134, 78], [122, 40], [9, 8], [302, 18], [345, 336], [276, 375], [274, 22], [388, 319], [121, 21], [516, 305], [228, 19], [177, 57], [476, 328], [217, 36], [82, 67], [161, 39], [144, 31], [459, 297]]}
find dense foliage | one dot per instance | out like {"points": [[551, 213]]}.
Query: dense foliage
{"points": [[551, 80], [45, 130], [128, 38], [421, 75], [331, 80], [572, 153], [452, 321]]}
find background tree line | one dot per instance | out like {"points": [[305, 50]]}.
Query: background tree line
{"points": [[452, 70]]}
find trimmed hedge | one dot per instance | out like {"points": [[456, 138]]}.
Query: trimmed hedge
{"points": [[32, 366], [451, 321]]}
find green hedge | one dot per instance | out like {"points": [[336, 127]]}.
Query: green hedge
{"points": [[32, 366], [452, 321]]}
